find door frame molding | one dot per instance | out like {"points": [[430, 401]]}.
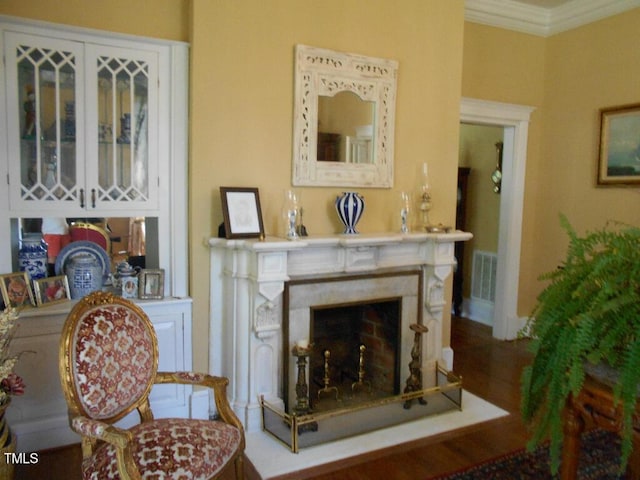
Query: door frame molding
{"points": [[515, 120]]}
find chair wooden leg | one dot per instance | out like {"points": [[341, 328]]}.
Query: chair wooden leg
{"points": [[239, 463], [573, 428], [633, 467]]}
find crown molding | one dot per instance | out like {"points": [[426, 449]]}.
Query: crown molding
{"points": [[544, 22]]}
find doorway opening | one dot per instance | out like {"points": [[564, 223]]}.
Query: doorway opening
{"points": [[515, 121]]}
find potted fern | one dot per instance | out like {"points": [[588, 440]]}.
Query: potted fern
{"points": [[588, 314]]}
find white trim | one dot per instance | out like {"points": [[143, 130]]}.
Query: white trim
{"points": [[515, 120], [544, 22], [72, 32], [179, 175], [478, 310]]}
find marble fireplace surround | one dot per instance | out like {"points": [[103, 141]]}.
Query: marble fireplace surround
{"points": [[248, 279]]}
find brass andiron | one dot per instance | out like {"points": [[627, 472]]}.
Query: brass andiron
{"points": [[302, 389], [361, 383], [414, 382], [327, 388]]}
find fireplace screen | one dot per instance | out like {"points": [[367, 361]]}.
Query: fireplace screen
{"points": [[300, 431], [352, 359]]}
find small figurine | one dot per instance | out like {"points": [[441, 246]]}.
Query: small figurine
{"points": [[29, 113]]}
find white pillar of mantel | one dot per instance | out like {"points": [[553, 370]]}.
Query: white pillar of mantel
{"points": [[248, 279]]}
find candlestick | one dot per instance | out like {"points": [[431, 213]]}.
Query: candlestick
{"points": [[425, 203]]}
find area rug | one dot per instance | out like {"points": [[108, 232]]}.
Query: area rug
{"points": [[271, 459], [599, 460]]}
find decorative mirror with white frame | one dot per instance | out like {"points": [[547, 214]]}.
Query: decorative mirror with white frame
{"points": [[344, 119]]}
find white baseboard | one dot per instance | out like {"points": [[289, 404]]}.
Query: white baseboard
{"points": [[478, 310]]}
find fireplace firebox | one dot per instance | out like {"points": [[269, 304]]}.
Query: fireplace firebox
{"points": [[355, 352]]}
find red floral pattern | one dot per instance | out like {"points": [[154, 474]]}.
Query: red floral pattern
{"points": [[114, 360], [88, 427], [166, 449]]}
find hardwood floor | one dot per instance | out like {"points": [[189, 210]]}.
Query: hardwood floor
{"points": [[490, 369]]}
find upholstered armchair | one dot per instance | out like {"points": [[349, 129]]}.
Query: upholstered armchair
{"points": [[108, 365]]}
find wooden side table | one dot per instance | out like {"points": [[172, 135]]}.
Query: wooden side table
{"points": [[594, 406]]}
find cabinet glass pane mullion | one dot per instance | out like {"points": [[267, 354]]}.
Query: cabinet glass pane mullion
{"points": [[123, 159], [46, 78]]}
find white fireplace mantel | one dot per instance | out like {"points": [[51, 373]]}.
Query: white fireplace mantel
{"points": [[246, 304]]}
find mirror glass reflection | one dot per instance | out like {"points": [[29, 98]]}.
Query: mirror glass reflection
{"points": [[131, 239], [345, 128]]}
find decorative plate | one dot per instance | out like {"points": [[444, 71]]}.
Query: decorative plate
{"points": [[83, 247]]}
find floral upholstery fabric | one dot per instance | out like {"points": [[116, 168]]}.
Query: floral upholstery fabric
{"points": [[166, 449], [114, 365]]}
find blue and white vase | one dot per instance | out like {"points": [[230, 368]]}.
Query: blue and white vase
{"points": [[85, 275], [350, 206], [32, 256]]}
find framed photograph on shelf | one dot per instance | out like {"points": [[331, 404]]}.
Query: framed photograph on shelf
{"points": [[241, 211], [619, 156], [16, 290], [129, 288], [51, 290], [151, 283]]}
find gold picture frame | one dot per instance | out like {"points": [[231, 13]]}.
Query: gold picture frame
{"points": [[151, 283], [619, 154], [242, 213], [51, 290], [16, 290]]}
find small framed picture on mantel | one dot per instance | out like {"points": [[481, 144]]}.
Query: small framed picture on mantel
{"points": [[241, 211], [619, 156]]}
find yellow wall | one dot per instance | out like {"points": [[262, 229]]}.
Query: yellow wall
{"points": [[505, 66], [167, 19], [242, 106], [567, 78], [589, 68]]}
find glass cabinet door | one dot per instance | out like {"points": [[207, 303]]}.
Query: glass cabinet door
{"points": [[45, 127], [125, 87]]}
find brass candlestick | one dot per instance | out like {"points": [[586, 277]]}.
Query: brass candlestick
{"points": [[302, 389], [414, 382], [425, 202]]}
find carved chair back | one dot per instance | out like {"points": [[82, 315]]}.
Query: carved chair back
{"points": [[108, 358]]}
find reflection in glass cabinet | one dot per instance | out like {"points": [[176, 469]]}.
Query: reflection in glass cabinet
{"points": [[85, 119], [47, 81], [122, 129]]}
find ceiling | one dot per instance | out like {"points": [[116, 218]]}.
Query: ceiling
{"points": [[543, 17]]}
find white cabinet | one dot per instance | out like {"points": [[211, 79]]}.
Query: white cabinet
{"points": [[83, 126], [39, 417], [93, 124], [95, 127]]}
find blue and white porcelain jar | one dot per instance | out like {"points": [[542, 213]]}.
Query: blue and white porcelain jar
{"points": [[32, 256], [85, 275], [350, 206]]}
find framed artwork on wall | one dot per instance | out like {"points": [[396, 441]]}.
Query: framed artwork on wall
{"points": [[241, 211], [619, 156], [52, 290], [16, 290]]}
